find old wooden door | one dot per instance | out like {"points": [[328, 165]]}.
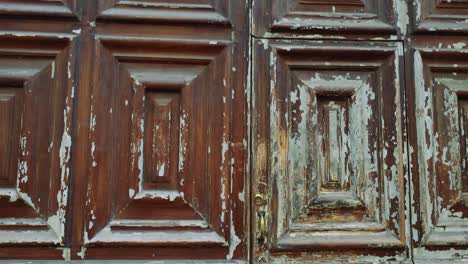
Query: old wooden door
{"points": [[253, 131], [122, 129], [358, 130]]}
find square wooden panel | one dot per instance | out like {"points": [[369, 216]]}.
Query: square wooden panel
{"points": [[169, 11], [440, 220], [36, 101], [338, 19], [160, 174], [437, 16], [328, 150]]}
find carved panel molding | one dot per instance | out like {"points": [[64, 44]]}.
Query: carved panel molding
{"points": [[329, 149]]}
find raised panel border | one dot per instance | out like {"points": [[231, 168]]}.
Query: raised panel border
{"points": [[439, 17], [218, 12], [63, 9], [277, 19]]}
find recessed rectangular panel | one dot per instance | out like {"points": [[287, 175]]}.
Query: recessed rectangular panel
{"points": [[334, 117], [328, 146], [350, 6], [161, 140], [166, 98], [11, 105]]}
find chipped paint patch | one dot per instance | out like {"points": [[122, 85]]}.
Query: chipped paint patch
{"points": [[161, 171], [160, 194], [82, 253], [401, 10], [234, 241], [66, 254]]}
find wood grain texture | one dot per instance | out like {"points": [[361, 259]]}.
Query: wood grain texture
{"points": [[37, 107], [11, 104], [214, 12], [197, 207], [62, 9], [118, 139]]}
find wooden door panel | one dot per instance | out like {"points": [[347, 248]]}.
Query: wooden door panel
{"points": [[328, 150], [446, 16], [440, 90], [172, 11], [36, 107], [315, 19], [161, 151]]}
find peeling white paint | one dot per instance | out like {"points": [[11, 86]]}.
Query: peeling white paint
{"points": [[234, 241], [160, 194], [69, 69], [66, 254], [459, 45], [82, 253], [161, 171], [52, 71], [401, 10]]}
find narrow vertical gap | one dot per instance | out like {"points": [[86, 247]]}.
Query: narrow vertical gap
{"points": [[405, 126]]}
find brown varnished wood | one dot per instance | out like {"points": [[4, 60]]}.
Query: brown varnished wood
{"points": [[34, 69], [11, 102], [154, 71], [168, 60], [46, 117], [61, 9], [192, 11]]}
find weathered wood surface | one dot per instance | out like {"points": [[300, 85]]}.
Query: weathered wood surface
{"points": [[277, 131], [438, 146], [300, 148]]}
